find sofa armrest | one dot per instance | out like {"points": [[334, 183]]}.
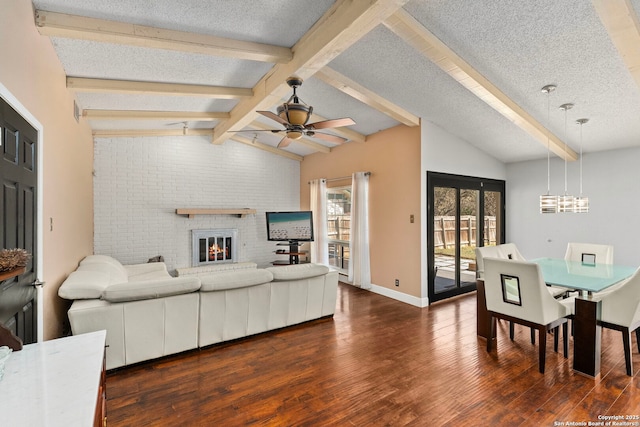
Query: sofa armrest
{"points": [[84, 284], [150, 289]]}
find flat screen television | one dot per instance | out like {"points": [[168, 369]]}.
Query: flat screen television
{"points": [[290, 226]]}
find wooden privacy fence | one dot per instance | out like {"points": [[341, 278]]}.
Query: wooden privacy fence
{"points": [[444, 234]]}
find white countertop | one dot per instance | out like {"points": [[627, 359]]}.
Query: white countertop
{"points": [[53, 383]]}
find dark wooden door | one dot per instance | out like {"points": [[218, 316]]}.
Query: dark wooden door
{"points": [[18, 171]]}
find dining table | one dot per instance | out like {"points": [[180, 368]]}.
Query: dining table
{"points": [[588, 279]]}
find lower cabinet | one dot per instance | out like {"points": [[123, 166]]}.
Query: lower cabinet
{"points": [[100, 419], [62, 379]]}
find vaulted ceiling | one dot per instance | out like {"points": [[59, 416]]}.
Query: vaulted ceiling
{"points": [[474, 68]]}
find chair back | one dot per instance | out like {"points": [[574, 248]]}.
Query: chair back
{"points": [[516, 288], [589, 253], [622, 306], [505, 251]]}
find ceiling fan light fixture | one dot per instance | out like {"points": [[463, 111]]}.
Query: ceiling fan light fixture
{"points": [[294, 134], [294, 113]]}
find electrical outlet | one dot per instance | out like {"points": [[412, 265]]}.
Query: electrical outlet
{"points": [[397, 282]]}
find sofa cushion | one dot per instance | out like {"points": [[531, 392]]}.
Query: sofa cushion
{"points": [[234, 279], [105, 263], [297, 271], [151, 270], [149, 289], [84, 284], [215, 268]]}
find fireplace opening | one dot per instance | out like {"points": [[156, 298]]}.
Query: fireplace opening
{"points": [[215, 249], [214, 246]]}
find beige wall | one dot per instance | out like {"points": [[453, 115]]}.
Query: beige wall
{"points": [[32, 73], [393, 158]]}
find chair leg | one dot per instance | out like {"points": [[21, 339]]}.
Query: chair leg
{"points": [[542, 335], [511, 330], [533, 336], [492, 332], [555, 339], [626, 341], [565, 338]]}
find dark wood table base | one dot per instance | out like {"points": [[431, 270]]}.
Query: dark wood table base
{"points": [[587, 335]]}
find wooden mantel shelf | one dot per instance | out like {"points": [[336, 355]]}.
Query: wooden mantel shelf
{"points": [[191, 212]]}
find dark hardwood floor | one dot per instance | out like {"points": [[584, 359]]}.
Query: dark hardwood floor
{"points": [[376, 362]]}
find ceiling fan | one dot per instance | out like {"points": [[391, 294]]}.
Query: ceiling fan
{"points": [[294, 115]]}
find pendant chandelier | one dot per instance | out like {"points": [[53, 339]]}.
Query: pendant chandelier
{"points": [[582, 201], [548, 202], [566, 202]]}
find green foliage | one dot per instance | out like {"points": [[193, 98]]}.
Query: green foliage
{"points": [[466, 252]]}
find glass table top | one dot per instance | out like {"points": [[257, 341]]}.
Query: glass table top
{"points": [[582, 276]]}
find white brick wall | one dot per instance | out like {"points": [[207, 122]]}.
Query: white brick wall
{"points": [[140, 182]]}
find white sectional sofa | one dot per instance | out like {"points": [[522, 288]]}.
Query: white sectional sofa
{"points": [[147, 313]]}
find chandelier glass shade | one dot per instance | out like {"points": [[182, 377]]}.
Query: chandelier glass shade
{"points": [[566, 202], [582, 201], [548, 202]]}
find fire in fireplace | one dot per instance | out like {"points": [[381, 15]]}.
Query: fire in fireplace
{"points": [[214, 246]]}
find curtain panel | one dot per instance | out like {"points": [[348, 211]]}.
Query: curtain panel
{"points": [[319, 247], [359, 264]]}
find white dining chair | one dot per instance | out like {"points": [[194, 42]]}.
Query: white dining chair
{"points": [[516, 291], [621, 311], [507, 251], [589, 253]]}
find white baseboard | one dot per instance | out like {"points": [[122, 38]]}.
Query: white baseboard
{"points": [[393, 294], [400, 296]]}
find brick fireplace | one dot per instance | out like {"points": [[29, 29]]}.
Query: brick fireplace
{"points": [[217, 246]]}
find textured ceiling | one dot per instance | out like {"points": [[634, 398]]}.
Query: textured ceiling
{"points": [[518, 46]]}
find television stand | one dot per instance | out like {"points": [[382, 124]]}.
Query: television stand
{"points": [[293, 252]]}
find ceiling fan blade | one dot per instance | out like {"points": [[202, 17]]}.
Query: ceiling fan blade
{"points": [[274, 116], [257, 130], [333, 123], [328, 137], [284, 142]]}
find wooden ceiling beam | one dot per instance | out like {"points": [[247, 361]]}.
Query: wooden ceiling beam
{"points": [[82, 84], [54, 24], [266, 147], [341, 26], [417, 36], [134, 133], [366, 96], [180, 116], [621, 22], [140, 133]]}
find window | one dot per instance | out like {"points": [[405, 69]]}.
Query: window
{"points": [[339, 226]]}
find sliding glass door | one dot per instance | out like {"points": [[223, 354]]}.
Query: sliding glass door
{"points": [[462, 213]]}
